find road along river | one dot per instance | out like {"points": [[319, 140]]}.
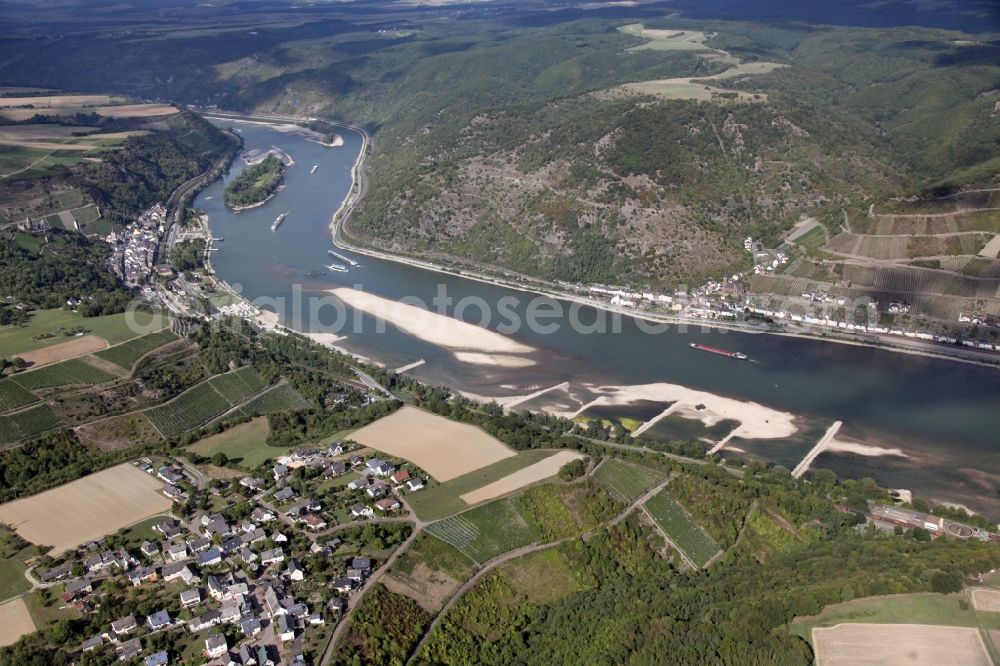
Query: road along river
{"points": [[926, 424]]}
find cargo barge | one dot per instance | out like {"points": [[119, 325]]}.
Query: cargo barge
{"points": [[337, 255], [721, 352], [278, 220]]}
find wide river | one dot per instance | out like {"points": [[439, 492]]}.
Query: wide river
{"points": [[936, 423]]}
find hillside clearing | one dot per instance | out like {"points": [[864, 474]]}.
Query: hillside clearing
{"points": [[532, 474]]}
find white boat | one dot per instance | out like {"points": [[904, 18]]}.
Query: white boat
{"points": [[338, 268], [278, 220], [313, 170]]}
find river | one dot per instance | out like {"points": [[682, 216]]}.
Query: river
{"points": [[936, 423]]}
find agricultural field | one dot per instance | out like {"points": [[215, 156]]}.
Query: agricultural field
{"points": [[986, 600], [190, 409], [687, 535], [68, 373], [27, 423], [245, 444], [624, 480], [443, 448], [15, 621], [76, 346], [50, 327], [486, 531], [922, 608], [882, 645], [13, 396], [126, 354], [438, 501], [280, 398], [86, 509], [539, 471], [239, 385]]}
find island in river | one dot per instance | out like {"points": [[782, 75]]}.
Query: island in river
{"points": [[256, 184], [912, 422]]}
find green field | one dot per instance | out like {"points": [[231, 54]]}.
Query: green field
{"points": [[919, 608], [486, 531], [686, 534], [67, 373], [239, 385], [560, 510], [27, 423], [13, 396], [443, 500], [245, 444], [278, 399], [624, 480], [189, 410], [125, 355], [113, 328]]}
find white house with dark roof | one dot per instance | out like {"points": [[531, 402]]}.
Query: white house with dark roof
{"points": [[158, 620], [216, 646]]}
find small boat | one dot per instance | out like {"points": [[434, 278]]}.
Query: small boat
{"points": [[313, 170], [278, 220], [337, 268]]}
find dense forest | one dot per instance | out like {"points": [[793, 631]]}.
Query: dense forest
{"points": [[256, 184], [65, 265], [147, 169]]}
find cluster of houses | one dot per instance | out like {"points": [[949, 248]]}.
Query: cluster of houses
{"points": [[377, 477], [208, 561], [134, 247]]}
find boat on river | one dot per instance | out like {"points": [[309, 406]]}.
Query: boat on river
{"points": [[721, 352], [278, 220], [347, 260], [338, 268], [313, 170]]}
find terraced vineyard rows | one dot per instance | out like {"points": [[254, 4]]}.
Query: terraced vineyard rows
{"points": [[277, 399], [486, 531], [73, 371], [189, 410], [13, 396], [27, 423], [686, 534], [624, 480], [126, 354], [239, 385]]}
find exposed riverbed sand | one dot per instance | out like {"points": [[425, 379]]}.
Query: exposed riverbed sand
{"points": [[474, 343], [841, 446], [756, 420], [497, 360]]}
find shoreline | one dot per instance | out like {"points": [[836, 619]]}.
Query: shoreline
{"points": [[356, 192]]}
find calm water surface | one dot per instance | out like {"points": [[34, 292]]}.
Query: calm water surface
{"points": [[945, 416]]}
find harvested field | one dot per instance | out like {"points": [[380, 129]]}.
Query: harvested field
{"points": [[39, 103], [86, 509], [444, 449], [898, 644], [532, 474], [64, 350], [15, 621], [986, 600]]}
